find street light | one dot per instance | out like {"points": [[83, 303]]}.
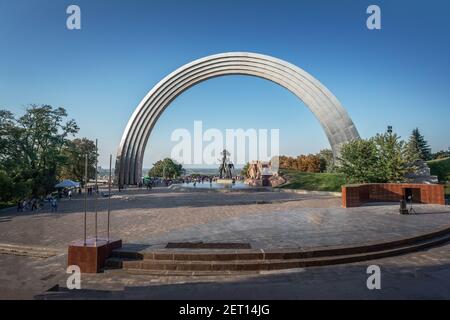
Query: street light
{"points": [[389, 129]]}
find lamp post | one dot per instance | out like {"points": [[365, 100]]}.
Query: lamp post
{"points": [[85, 195], [109, 196], [96, 188]]}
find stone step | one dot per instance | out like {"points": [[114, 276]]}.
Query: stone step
{"points": [[177, 273], [172, 267], [31, 251], [272, 254]]}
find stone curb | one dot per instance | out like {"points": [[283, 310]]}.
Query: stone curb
{"points": [[301, 191], [175, 187]]}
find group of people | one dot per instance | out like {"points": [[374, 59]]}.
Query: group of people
{"points": [[199, 179], [154, 182], [91, 190], [37, 204]]}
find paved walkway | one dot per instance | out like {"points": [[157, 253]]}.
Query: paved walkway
{"points": [[312, 227], [138, 215], [263, 219], [419, 275]]}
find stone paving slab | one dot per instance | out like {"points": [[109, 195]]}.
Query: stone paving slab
{"points": [[137, 214], [308, 228], [419, 275], [161, 216], [150, 219]]}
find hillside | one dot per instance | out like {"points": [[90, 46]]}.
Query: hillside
{"points": [[313, 181], [440, 168]]}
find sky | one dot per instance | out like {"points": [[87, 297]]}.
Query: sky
{"points": [[399, 75]]}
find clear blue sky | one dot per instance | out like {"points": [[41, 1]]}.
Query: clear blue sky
{"points": [[399, 75]]}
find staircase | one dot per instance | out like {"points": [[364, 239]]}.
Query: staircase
{"points": [[250, 261]]}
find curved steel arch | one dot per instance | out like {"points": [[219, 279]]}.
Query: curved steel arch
{"points": [[335, 121]]}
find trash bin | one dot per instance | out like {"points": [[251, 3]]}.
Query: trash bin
{"points": [[403, 209]]}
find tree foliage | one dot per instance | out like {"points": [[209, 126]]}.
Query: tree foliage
{"points": [[32, 144], [326, 160], [36, 150], [303, 163], [417, 147], [383, 158], [358, 161], [166, 168], [442, 154], [392, 163], [75, 153]]}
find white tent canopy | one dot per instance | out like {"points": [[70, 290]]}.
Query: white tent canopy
{"points": [[67, 184]]}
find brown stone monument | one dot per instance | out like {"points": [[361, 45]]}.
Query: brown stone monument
{"points": [[91, 256]]}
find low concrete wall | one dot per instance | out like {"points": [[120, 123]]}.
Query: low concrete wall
{"points": [[356, 195]]}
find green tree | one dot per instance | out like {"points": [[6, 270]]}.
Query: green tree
{"points": [[75, 152], [358, 161], [326, 160], [166, 168], [383, 158], [10, 133], [392, 164], [442, 154], [6, 187], [32, 144], [417, 147]]}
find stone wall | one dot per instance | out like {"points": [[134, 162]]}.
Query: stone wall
{"points": [[356, 195]]}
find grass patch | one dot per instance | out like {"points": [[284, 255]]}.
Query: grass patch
{"points": [[440, 168], [313, 181]]}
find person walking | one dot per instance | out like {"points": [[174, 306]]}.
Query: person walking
{"points": [[70, 194], [33, 204], [54, 205]]}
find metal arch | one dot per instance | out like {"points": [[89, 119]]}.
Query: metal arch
{"points": [[333, 118]]}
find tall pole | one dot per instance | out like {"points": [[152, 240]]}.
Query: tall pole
{"points": [[95, 195], [85, 195], [109, 195]]}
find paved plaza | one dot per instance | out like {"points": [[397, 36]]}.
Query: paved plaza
{"points": [[263, 219], [421, 275], [140, 216]]}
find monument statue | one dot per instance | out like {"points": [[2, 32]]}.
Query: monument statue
{"points": [[263, 173], [258, 169], [226, 166], [421, 174]]}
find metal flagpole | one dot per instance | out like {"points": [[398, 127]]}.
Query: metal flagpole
{"points": [[95, 195], [85, 195], [109, 193]]}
